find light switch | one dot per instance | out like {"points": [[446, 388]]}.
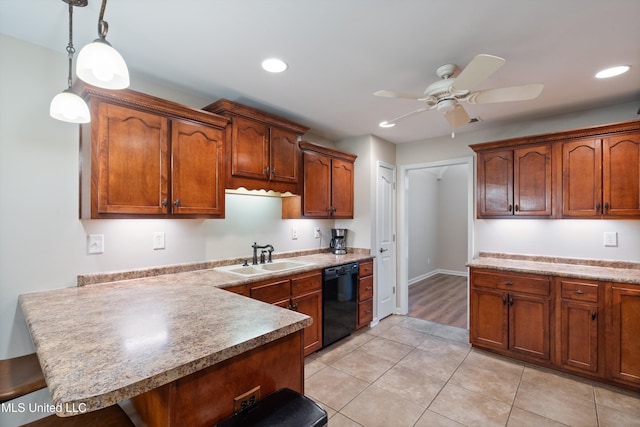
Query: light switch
{"points": [[158, 240], [294, 233], [610, 238], [316, 232], [95, 243]]}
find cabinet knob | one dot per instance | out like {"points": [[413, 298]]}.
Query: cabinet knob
{"points": [[517, 208], [593, 315], [165, 202], [510, 208], [606, 207]]}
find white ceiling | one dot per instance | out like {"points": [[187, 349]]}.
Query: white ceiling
{"points": [[340, 51]]}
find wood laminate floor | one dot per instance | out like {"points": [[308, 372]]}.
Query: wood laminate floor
{"points": [[441, 298]]}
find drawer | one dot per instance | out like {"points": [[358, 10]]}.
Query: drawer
{"points": [[579, 291], [238, 289], [365, 288], [365, 269], [365, 312], [271, 292], [527, 283], [308, 283]]}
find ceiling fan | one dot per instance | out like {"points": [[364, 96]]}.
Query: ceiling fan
{"points": [[446, 95]]}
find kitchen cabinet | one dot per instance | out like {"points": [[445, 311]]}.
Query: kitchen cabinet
{"points": [[146, 157], [601, 177], [510, 313], [365, 294], [328, 185], [263, 151], [302, 293], [578, 331], [515, 182], [623, 346]]}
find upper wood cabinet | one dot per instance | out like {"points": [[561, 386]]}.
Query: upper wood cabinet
{"points": [[582, 173], [327, 189], [515, 182], [264, 151], [601, 177], [144, 156]]}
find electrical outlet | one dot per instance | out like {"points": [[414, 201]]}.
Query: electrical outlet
{"points": [[294, 233], [246, 399], [316, 232], [158, 240], [95, 244], [610, 238]]}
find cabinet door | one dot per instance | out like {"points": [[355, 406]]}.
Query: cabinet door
{"points": [[132, 162], [489, 317], [623, 345], [579, 335], [311, 305], [495, 183], [529, 325], [532, 181], [621, 175], [197, 181], [284, 155], [249, 149], [341, 189], [581, 178], [317, 185]]}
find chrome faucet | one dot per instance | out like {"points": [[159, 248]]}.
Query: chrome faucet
{"points": [[269, 249]]}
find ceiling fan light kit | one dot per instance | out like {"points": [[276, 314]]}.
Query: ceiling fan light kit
{"points": [[447, 94]]}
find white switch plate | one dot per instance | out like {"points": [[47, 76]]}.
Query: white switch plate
{"points": [[316, 232], [294, 233], [610, 238], [158, 240], [95, 244]]}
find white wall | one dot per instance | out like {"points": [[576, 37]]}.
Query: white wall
{"points": [[559, 237]]}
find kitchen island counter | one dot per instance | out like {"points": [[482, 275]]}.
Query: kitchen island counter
{"points": [[99, 345]]}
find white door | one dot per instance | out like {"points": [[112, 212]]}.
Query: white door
{"points": [[386, 240]]}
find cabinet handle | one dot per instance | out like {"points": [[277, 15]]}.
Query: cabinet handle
{"points": [[165, 202], [273, 171], [517, 208], [606, 207], [368, 288], [266, 171], [593, 315], [508, 283], [579, 292], [295, 307], [368, 312], [510, 300], [177, 203], [510, 208], [504, 300]]}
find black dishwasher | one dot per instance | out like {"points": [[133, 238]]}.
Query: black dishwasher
{"points": [[339, 302]]}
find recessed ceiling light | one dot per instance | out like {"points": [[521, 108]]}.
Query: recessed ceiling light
{"points": [[386, 124], [613, 71], [274, 65]]}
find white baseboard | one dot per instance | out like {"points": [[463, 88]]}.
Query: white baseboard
{"points": [[434, 272]]}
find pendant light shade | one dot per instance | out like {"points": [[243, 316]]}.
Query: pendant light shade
{"points": [[67, 106], [101, 65]]}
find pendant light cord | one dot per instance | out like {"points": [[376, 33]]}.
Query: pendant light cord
{"points": [[70, 49], [103, 26]]}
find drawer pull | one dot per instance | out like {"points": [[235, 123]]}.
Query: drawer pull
{"points": [[368, 312], [579, 292], [368, 288], [508, 283]]}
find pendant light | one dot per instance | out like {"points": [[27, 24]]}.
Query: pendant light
{"points": [[67, 106], [101, 65]]}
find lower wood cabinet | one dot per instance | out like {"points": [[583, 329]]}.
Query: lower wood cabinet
{"points": [[365, 294], [585, 327], [511, 313], [303, 293]]}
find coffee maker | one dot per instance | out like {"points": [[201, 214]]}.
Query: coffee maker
{"points": [[338, 242]]}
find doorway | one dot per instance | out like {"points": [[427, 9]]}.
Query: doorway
{"points": [[436, 238]]}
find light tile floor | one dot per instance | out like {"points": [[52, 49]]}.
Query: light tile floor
{"points": [[412, 372]]}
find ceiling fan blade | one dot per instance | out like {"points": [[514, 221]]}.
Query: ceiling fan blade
{"points": [[391, 94], [506, 94], [479, 69], [404, 116], [457, 117]]}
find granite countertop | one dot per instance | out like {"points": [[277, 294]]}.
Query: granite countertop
{"points": [[136, 331], [578, 268]]}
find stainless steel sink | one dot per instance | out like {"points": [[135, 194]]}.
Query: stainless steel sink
{"points": [[255, 270]]}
